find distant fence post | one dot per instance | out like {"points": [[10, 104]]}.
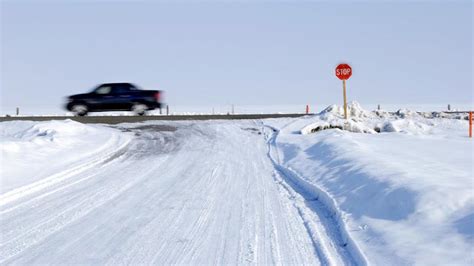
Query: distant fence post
{"points": [[167, 109], [17, 111], [378, 107], [449, 107], [307, 109]]}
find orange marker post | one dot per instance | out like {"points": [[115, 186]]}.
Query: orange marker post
{"points": [[307, 109], [470, 124]]}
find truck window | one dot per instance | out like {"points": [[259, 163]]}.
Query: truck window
{"points": [[120, 89], [103, 90]]}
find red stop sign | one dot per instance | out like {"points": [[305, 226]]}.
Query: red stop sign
{"points": [[343, 71]]}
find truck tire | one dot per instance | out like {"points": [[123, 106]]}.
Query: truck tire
{"points": [[79, 109], [139, 108]]}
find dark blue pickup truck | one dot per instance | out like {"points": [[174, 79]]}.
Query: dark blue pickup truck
{"points": [[114, 97]]}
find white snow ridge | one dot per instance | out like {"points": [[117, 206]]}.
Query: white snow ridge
{"points": [[379, 189]]}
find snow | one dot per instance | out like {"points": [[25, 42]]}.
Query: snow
{"points": [[31, 151], [272, 191], [362, 121], [205, 193], [406, 195]]}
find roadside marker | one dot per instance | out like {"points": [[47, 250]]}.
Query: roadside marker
{"points": [[470, 124], [307, 109], [344, 72]]}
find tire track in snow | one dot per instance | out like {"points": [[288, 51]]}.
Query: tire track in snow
{"points": [[71, 209], [279, 233], [60, 185], [37, 209], [148, 244], [36, 187], [331, 242], [58, 221]]}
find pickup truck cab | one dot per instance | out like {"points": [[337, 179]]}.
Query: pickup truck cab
{"points": [[114, 97]]}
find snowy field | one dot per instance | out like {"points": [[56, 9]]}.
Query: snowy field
{"points": [[380, 189]]}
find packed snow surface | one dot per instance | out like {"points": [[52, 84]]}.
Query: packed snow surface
{"points": [[311, 190]]}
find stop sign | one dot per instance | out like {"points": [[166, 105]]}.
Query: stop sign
{"points": [[343, 71]]}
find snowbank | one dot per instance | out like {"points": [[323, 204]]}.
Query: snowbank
{"points": [[362, 121], [34, 151], [405, 196]]}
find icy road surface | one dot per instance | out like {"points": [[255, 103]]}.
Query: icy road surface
{"points": [[204, 193]]}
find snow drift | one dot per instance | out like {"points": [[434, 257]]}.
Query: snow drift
{"points": [[362, 121], [405, 195], [48, 149]]}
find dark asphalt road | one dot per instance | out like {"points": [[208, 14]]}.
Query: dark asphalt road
{"points": [[132, 119]]}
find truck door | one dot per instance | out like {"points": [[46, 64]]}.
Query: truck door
{"points": [[122, 97], [103, 99]]}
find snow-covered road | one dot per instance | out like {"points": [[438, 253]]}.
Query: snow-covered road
{"points": [[190, 193]]}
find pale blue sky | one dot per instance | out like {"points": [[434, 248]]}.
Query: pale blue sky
{"points": [[210, 53]]}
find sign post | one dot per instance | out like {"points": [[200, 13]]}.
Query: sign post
{"points": [[344, 72], [470, 124]]}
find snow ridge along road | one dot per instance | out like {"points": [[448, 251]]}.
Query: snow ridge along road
{"points": [[179, 193], [322, 219]]}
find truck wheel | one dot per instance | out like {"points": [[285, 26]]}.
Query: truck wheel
{"points": [[139, 108], [79, 109]]}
